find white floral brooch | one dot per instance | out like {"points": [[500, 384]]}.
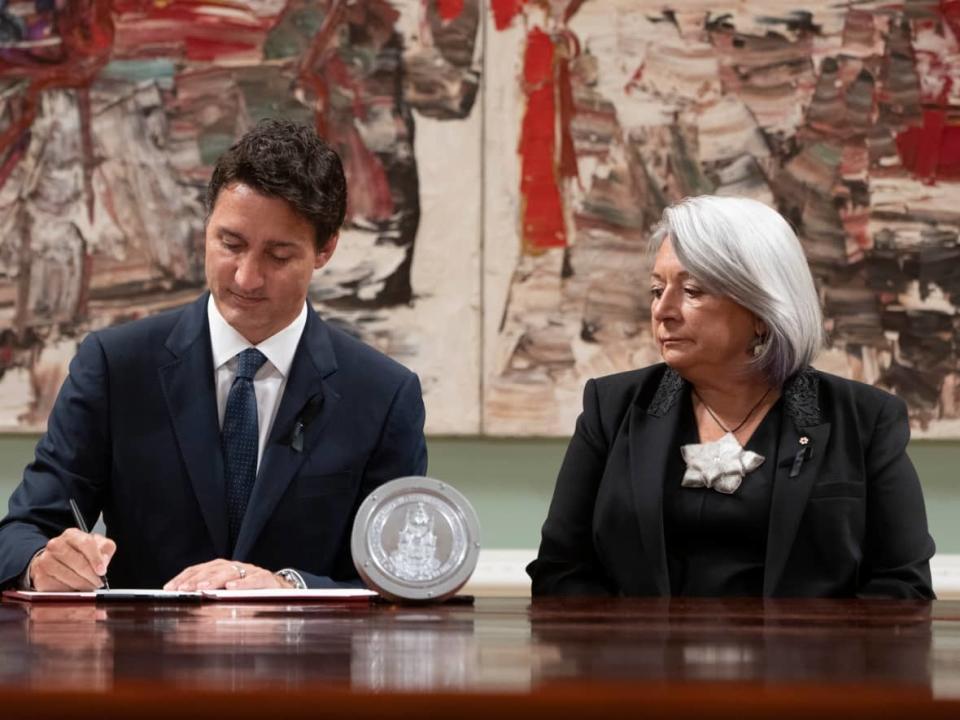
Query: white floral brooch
{"points": [[720, 464]]}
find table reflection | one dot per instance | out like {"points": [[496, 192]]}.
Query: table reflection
{"points": [[423, 651], [738, 640], [68, 647], [500, 645]]}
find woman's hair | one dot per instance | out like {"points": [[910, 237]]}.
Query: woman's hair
{"points": [[746, 251]]}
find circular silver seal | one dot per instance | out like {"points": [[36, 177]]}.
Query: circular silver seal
{"points": [[415, 538]]}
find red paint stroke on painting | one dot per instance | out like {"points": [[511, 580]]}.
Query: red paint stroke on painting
{"points": [[504, 11], [932, 151], [86, 146], [450, 9], [319, 69], [202, 30], [86, 32], [950, 10], [572, 10], [568, 157], [542, 219]]}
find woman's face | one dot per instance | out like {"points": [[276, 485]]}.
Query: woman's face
{"points": [[702, 336]]}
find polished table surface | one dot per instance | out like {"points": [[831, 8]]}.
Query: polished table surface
{"points": [[495, 657]]}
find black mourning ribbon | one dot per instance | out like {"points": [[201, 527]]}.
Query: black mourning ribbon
{"points": [[804, 453], [306, 416]]}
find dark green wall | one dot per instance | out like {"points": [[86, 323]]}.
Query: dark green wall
{"points": [[510, 482]]}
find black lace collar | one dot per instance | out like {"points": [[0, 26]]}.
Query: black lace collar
{"points": [[800, 396]]}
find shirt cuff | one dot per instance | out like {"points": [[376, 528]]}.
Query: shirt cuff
{"points": [[25, 583]]}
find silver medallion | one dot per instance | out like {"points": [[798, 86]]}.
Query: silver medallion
{"points": [[415, 538]]}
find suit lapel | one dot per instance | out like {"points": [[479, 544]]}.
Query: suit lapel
{"points": [[307, 405], [188, 385], [803, 432], [652, 437]]}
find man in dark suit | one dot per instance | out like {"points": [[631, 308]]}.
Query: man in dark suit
{"points": [[228, 443]]}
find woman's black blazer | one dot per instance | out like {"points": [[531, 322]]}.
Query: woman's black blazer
{"points": [[847, 520]]}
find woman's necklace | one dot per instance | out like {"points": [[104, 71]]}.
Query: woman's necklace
{"points": [[732, 431], [720, 464]]}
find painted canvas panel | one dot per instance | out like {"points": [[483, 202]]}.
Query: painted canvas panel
{"points": [[113, 111], [595, 115], [844, 116]]}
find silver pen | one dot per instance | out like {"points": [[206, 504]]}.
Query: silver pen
{"points": [[78, 518]]}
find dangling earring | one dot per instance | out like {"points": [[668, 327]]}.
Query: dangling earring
{"points": [[759, 345]]}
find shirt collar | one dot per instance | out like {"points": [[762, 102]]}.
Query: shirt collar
{"points": [[279, 348]]}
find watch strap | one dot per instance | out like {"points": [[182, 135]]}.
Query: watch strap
{"points": [[292, 577]]}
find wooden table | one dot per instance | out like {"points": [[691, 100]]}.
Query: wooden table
{"points": [[494, 659]]}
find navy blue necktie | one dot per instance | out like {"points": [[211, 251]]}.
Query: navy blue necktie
{"points": [[239, 438]]}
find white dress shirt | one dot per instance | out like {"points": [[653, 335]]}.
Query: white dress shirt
{"points": [[271, 378]]}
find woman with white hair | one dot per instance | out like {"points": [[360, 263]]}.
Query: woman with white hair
{"points": [[734, 468]]}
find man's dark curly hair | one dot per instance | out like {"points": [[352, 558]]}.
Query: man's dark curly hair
{"points": [[280, 158]]}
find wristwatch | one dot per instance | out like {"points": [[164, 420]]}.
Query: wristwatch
{"points": [[292, 577]]}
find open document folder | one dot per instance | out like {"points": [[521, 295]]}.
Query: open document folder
{"points": [[119, 594]]}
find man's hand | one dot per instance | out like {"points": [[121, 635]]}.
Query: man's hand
{"points": [[74, 560], [227, 574]]}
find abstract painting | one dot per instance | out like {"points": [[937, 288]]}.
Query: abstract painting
{"points": [[113, 111], [845, 117], [506, 161]]}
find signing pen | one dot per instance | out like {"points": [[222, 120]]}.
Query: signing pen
{"points": [[83, 527]]}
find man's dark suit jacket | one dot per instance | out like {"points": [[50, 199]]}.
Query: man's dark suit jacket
{"points": [[851, 522], [134, 433]]}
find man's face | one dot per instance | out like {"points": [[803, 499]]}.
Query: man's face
{"points": [[260, 256]]}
